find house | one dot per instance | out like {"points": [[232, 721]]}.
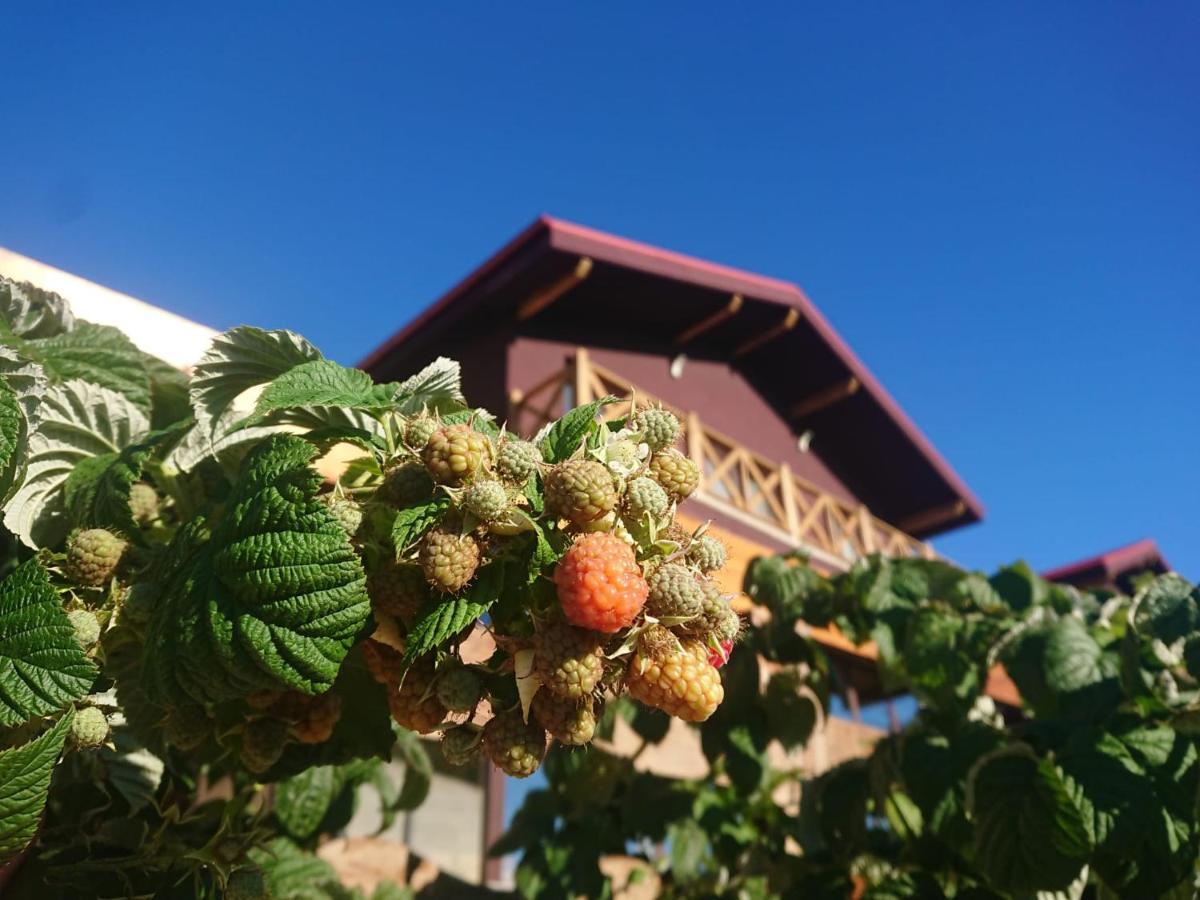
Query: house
{"points": [[1116, 569], [799, 445]]}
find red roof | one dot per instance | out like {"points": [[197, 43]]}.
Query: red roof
{"points": [[881, 425], [1109, 567]]}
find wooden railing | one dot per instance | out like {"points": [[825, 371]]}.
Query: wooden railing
{"points": [[733, 479]]}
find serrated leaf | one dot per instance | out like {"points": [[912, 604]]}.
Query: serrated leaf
{"points": [[98, 354], [28, 381], [240, 359], [302, 801], [566, 435], [169, 400], [437, 387], [221, 441], [78, 421], [30, 312], [96, 493], [413, 521], [320, 383], [24, 782], [294, 874], [132, 769], [12, 437], [444, 618], [42, 667], [1029, 834]]}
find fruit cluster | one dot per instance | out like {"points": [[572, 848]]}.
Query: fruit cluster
{"points": [[617, 599]]}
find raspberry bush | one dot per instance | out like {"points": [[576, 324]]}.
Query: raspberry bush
{"points": [[193, 597]]}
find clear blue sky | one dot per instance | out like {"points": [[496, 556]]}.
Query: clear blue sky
{"points": [[998, 205]]}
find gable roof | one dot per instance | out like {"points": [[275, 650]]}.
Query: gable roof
{"points": [[660, 301], [1113, 567]]}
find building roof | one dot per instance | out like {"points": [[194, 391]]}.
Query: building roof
{"points": [[659, 301], [1113, 567]]}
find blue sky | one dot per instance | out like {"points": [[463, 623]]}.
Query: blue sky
{"points": [[998, 206]]}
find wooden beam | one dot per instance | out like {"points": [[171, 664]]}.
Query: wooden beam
{"points": [[931, 517], [709, 322], [825, 397], [547, 295], [785, 325]]}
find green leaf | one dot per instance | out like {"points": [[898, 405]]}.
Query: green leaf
{"points": [[1167, 609], [42, 667], [443, 618], [132, 769], [565, 436], [292, 873], [418, 770], [1019, 586], [437, 387], [24, 782], [791, 712], [98, 354], [302, 800], [77, 421], [96, 493], [413, 521], [240, 359], [169, 401], [321, 382], [689, 849], [12, 435], [30, 312], [1029, 834]]}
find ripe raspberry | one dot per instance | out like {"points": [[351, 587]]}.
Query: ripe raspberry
{"points": [[383, 662], [460, 745], [415, 705], [645, 497], [397, 589], [405, 484], [187, 727], [679, 681], [486, 500], [581, 491], [659, 428], [517, 460], [86, 625], [263, 742], [569, 661], [345, 512], [674, 592], [318, 719], [449, 560], [600, 584], [514, 746], [419, 430], [89, 729], [455, 453], [718, 656], [92, 556], [677, 474], [568, 721], [459, 688], [706, 553], [143, 503]]}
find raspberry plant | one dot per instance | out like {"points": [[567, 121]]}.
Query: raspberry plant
{"points": [[188, 605]]}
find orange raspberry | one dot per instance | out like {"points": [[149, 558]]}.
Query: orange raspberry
{"points": [[383, 662], [600, 584], [415, 704]]}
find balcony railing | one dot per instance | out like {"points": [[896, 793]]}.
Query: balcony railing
{"points": [[735, 480]]}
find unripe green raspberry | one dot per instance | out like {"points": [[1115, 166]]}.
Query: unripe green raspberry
{"points": [[397, 589], [569, 722], [419, 430], [517, 460], [707, 553], [459, 688], [659, 428], [460, 745], [449, 560], [580, 490], [405, 484], [86, 625], [89, 729], [455, 453], [644, 496], [143, 503], [187, 727], [674, 592], [569, 661], [486, 500], [93, 556], [514, 746], [247, 883], [138, 604], [263, 742], [717, 618], [345, 512], [677, 474]]}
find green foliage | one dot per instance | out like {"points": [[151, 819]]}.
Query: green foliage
{"points": [[24, 780], [566, 435]]}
